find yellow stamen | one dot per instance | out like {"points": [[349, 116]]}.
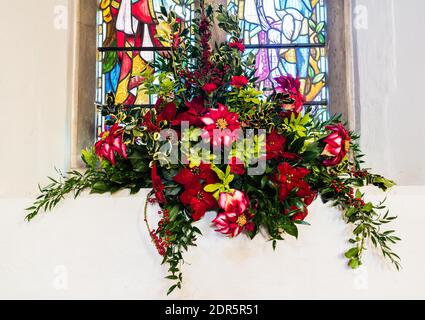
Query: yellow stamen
{"points": [[347, 145], [242, 221], [222, 124]]}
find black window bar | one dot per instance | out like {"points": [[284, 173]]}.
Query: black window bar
{"points": [[248, 46]]}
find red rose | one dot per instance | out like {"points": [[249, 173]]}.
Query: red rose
{"points": [[237, 44], [209, 88], [337, 145], [239, 81]]}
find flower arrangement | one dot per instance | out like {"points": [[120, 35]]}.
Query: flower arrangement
{"points": [[214, 142]]}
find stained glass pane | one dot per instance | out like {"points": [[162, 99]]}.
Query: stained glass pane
{"points": [[297, 29], [310, 64], [281, 21], [129, 23]]}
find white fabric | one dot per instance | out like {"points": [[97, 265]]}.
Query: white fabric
{"points": [[125, 20]]}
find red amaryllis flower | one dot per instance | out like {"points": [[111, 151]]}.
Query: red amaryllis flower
{"points": [[235, 218], [198, 200], [275, 147], [290, 179], [239, 81], [223, 123], [188, 176], [337, 145], [299, 215], [196, 109], [158, 186], [209, 88], [237, 166], [237, 44], [110, 143]]}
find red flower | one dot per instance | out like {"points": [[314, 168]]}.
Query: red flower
{"points": [[234, 219], [110, 143], [290, 85], [237, 166], [188, 176], [147, 122], [299, 215], [275, 147], [290, 179], [158, 187], [209, 88], [193, 114], [239, 81], [222, 123], [198, 200], [337, 145], [237, 44], [166, 113]]}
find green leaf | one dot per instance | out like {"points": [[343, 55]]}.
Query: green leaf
{"points": [[368, 207], [320, 27], [100, 187], [319, 78], [109, 61], [171, 289], [350, 212], [311, 72], [352, 253], [212, 187], [291, 229], [354, 263]]}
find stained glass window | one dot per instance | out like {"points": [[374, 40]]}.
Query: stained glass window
{"points": [[287, 37]]}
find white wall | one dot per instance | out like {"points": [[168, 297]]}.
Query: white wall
{"points": [[98, 248], [33, 88], [390, 39]]}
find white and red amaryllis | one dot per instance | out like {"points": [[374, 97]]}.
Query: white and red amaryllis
{"points": [[337, 145], [235, 217], [111, 143], [221, 125]]}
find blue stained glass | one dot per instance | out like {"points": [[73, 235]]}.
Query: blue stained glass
{"points": [[287, 23]]}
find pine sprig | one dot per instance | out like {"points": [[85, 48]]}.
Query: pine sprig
{"points": [[51, 195]]}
